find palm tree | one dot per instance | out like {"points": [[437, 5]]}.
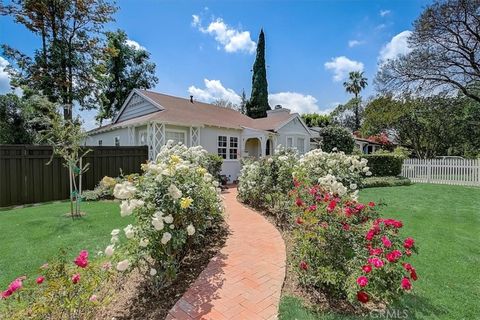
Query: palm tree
{"points": [[356, 82]]}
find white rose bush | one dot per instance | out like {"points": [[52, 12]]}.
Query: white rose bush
{"points": [[175, 203]]}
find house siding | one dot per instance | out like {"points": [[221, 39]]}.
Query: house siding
{"points": [[108, 138], [137, 107], [295, 130]]}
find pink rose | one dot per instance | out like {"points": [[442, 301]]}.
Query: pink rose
{"points": [[406, 284], [377, 263], [362, 281], [408, 243], [12, 287], [40, 280], [303, 265], [386, 242], [367, 268], [82, 259], [76, 278]]}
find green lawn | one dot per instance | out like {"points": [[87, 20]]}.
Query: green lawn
{"points": [[29, 236], [445, 222]]}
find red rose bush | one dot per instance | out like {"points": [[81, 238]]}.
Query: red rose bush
{"points": [[345, 250]]}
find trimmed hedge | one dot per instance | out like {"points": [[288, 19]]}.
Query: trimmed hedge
{"points": [[383, 165], [374, 182]]}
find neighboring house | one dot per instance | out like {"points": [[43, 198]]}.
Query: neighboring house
{"points": [[151, 119], [366, 145]]}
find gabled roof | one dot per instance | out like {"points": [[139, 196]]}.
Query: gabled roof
{"points": [[180, 111]]}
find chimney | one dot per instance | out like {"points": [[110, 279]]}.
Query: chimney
{"points": [[191, 99]]}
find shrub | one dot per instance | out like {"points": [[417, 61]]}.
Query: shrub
{"points": [[387, 164], [374, 182], [336, 138], [175, 203], [104, 190], [342, 247], [348, 170], [214, 165], [62, 290]]}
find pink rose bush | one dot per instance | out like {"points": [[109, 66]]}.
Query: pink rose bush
{"points": [[366, 261], [61, 291]]}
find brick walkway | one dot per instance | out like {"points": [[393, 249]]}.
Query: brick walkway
{"points": [[244, 280]]}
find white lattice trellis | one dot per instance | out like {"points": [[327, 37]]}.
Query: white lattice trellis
{"points": [[195, 136], [156, 138]]}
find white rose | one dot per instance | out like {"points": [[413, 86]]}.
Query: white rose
{"points": [[109, 250], [124, 190], [115, 232], [353, 186], [144, 242], [153, 272], [190, 230], [123, 265], [157, 224], [174, 192], [129, 232], [368, 173], [166, 237], [168, 219], [114, 239]]}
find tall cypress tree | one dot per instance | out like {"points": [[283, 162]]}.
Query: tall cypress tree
{"points": [[258, 105]]}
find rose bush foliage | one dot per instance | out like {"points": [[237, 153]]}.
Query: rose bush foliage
{"points": [[343, 248], [175, 203]]}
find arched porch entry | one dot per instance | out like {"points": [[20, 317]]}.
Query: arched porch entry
{"points": [[253, 147]]}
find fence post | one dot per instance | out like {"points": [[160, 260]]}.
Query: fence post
{"points": [[429, 170], [478, 169]]}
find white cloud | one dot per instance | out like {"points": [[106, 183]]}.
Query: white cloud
{"points": [[296, 102], [5, 80], [214, 90], [341, 66], [397, 46], [354, 43], [384, 13], [231, 39], [134, 44]]}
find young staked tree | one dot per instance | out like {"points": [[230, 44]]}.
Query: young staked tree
{"points": [[126, 67], [355, 84], [65, 67], [258, 105], [243, 103]]}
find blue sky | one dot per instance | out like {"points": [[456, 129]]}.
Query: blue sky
{"points": [[206, 48]]}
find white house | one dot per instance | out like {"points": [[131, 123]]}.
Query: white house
{"points": [[150, 118]]}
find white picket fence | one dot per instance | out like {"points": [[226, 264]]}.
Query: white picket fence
{"points": [[443, 171]]}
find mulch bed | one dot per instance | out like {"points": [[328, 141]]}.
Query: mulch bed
{"points": [[135, 301]]}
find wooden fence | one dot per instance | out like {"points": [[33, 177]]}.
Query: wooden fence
{"points": [[25, 176], [443, 171]]}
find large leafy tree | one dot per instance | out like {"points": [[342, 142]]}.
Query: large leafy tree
{"points": [[21, 118], [355, 84], [347, 115], [65, 67], [126, 67], [431, 126], [258, 105], [316, 120], [444, 53]]}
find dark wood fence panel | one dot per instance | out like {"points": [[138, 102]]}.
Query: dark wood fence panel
{"points": [[25, 176]]}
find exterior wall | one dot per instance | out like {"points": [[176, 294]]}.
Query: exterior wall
{"points": [[137, 106], [295, 130], [108, 138], [209, 141], [183, 129]]}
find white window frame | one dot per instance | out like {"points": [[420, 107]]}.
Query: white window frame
{"points": [[297, 145], [167, 130], [115, 141], [140, 133], [286, 142], [227, 141], [228, 148]]}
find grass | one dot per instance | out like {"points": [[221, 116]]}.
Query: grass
{"points": [[32, 235], [445, 222]]}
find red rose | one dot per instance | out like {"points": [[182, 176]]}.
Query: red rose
{"points": [[303, 265], [367, 268], [82, 259], [348, 211], [408, 243], [299, 220], [370, 234], [413, 274], [386, 242], [371, 204], [312, 207], [360, 207], [75, 278], [406, 284], [393, 256], [376, 251], [408, 252], [362, 281], [407, 266], [362, 296], [331, 206], [346, 227], [40, 280], [299, 202], [377, 263], [296, 183]]}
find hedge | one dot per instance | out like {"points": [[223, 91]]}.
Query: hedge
{"points": [[382, 165], [376, 182]]}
